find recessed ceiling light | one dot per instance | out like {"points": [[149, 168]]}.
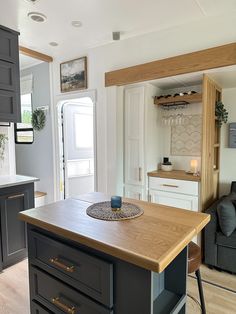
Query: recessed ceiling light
{"points": [[37, 17], [53, 44], [76, 23]]}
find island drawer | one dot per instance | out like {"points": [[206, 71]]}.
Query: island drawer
{"points": [[91, 275], [173, 185], [38, 309], [59, 297]]}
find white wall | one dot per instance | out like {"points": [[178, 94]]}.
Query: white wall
{"points": [[37, 159], [132, 51], [227, 155]]}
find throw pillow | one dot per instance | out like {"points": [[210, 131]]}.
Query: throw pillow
{"points": [[227, 216]]}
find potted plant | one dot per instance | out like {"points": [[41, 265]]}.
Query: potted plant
{"points": [[221, 114], [3, 140]]}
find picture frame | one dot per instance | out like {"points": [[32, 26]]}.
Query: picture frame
{"points": [[73, 75]]}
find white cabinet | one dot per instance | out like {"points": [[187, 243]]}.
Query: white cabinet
{"points": [[140, 138], [134, 136], [135, 192], [175, 193]]}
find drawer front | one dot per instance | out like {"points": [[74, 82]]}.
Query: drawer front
{"points": [[38, 309], [7, 75], [172, 185], [8, 46], [59, 297], [174, 200], [93, 276]]}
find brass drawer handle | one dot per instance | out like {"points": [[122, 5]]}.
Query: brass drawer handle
{"points": [[56, 262], [68, 309], [171, 185], [11, 197]]}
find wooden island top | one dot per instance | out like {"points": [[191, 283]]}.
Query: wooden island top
{"points": [[151, 241], [174, 174]]}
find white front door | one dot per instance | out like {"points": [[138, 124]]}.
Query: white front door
{"points": [[78, 146]]}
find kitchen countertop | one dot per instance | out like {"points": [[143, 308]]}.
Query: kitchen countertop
{"points": [[151, 241], [6, 181], [174, 174]]}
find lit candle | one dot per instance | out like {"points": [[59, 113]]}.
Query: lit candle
{"points": [[193, 165], [116, 202]]}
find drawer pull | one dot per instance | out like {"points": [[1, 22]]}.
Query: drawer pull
{"points": [[56, 262], [11, 197], [170, 185], [64, 307]]}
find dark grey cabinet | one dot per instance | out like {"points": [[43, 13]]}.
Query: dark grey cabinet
{"points": [[10, 110], [13, 231]]}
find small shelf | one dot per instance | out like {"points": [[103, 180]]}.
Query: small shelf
{"points": [[168, 302], [194, 98], [216, 145]]}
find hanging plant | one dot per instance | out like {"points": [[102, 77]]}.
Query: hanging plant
{"points": [[3, 141], [38, 119], [221, 114]]}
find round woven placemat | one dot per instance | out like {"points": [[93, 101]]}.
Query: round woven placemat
{"points": [[104, 211]]}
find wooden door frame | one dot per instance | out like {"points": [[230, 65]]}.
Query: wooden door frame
{"points": [[201, 60]]}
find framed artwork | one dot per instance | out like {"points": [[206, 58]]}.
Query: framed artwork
{"points": [[73, 75]]}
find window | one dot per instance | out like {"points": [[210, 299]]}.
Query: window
{"points": [[24, 133]]}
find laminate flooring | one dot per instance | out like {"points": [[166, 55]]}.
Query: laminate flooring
{"points": [[219, 290]]}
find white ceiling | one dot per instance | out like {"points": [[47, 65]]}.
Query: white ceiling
{"points": [[100, 18], [224, 77]]}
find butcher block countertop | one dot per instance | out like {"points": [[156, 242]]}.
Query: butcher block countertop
{"points": [[174, 174], [150, 241]]}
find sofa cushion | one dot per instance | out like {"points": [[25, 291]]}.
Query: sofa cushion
{"points": [[222, 240], [227, 216]]}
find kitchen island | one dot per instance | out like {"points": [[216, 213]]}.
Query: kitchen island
{"points": [[79, 264]]}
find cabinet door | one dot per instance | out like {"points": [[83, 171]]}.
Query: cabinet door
{"points": [[7, 75], [134, 135], [10, 110], [174, 199], [135, 192], [14, 243], [8, 46]]}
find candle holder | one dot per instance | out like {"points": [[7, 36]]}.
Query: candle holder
{"points": [[116, 203]]}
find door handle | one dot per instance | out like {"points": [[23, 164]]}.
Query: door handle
{"points": [[11, 197], [140, 174]]}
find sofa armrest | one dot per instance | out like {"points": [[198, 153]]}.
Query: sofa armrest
{"points": [[210, 247]]}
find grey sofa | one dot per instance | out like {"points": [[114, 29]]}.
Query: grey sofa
{"points": [[220, 250]]}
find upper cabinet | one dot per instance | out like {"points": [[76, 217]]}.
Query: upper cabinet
{"points": [[9, 76]]}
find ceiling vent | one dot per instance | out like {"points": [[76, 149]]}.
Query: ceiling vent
{"points": [[32, 1], [37, 17], [116, 35]]}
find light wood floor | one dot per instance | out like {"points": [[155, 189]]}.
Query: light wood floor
{"points": [[14, 291]]}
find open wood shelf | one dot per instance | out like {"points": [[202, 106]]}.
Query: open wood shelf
{"points": [[194, 98]]}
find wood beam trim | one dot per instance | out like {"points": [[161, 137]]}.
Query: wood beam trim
{"points": [[211, 58], [35, 54]]}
